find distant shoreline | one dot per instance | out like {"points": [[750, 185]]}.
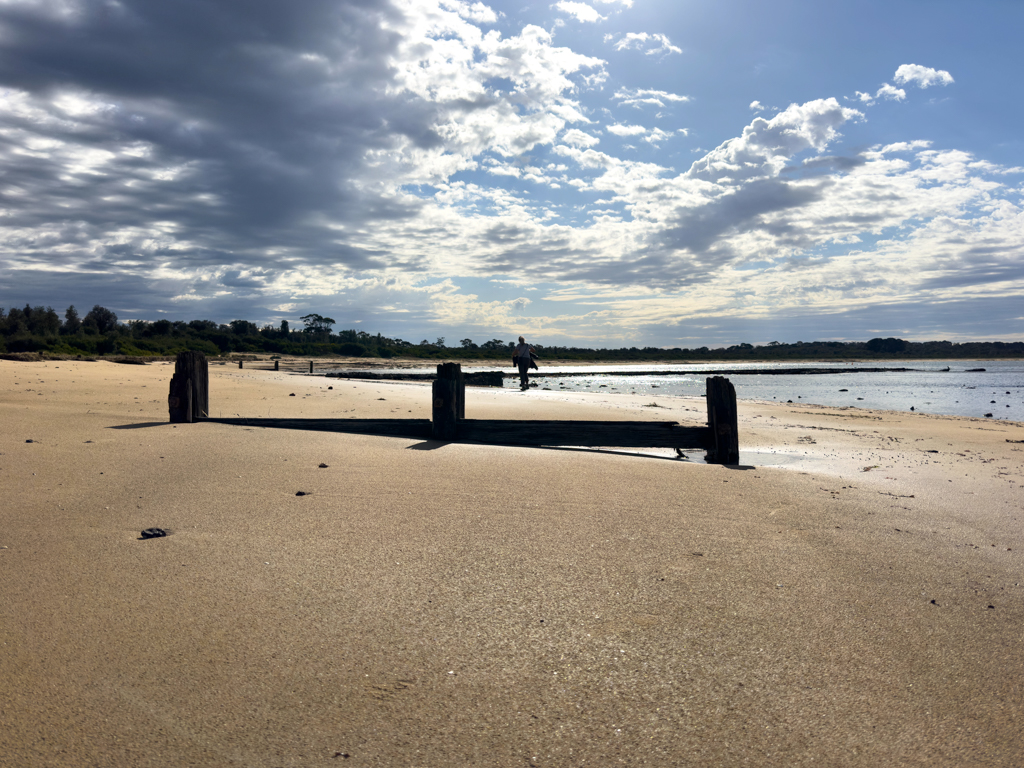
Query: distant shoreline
{"points": [[420, 362]]}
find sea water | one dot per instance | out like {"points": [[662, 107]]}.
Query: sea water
{"points": [[928, 388]]}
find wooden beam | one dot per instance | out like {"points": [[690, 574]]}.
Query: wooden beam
{"points": [[608, 434], [611, 434]]}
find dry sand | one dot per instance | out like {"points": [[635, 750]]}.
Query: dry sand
{"points": [[850, 596]]}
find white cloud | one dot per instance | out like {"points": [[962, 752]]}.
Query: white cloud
{"points": [[766, 146], [657, 135], [581, 11], [651, 44], [577, 138], [757, 106], [477, 12], [641, 96], [626, 130], [891, 93], [922, 76], [887, 91], [905, 146]]}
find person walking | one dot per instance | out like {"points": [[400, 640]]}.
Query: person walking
{"points": [[523, 354]]}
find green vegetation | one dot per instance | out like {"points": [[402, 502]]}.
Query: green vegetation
{"points": [[40, 329]]}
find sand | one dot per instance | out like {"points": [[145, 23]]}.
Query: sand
{"points": [[850, 595]]}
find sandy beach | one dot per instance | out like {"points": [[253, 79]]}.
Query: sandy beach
{"points": [[849, 595]]}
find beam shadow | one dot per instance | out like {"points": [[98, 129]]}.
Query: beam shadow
{"points": [[142, 425], [413, 429]]}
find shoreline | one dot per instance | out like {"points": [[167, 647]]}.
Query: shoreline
{"points": [[826, 601], [405, 362]]}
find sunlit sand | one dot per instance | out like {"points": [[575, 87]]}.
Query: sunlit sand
{"points": [[850, 594]]}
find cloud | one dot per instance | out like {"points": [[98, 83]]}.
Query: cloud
{"points": [[891, 93], [580, 11], [922, 77], [477, 12], [887, 92], [651, 44], [626, 130], [578, 138], [640, 97], [657, 135], [372, 160], [312, 121], [766, 145]]}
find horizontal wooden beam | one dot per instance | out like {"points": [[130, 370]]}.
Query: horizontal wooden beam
{"points": [[610, 434]]}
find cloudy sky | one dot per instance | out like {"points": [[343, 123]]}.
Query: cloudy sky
{"points": [[598, 172]]}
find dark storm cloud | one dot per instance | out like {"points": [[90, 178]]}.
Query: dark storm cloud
{"points": [[253, 118], [699, 230]]}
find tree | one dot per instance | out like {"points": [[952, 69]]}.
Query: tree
{"points": [[467, 344], [42, 321], [284, 328], [16, 322], [72, 323], [244, 328], [317, 324], [440, 341], [103, 320], [889, 345]]}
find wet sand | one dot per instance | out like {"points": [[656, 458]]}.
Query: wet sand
{"points": [[850, 595]]}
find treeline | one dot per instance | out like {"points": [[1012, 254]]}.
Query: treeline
{"points": [[41, 329]]}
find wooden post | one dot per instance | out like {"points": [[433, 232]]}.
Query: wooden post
{"points": [[277, 365], [189, 397], [239, 363], [444, 418], [453, 372], [722, 422], [310, 366]]}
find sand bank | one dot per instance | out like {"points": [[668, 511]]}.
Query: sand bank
{"points": [[850, 595]]}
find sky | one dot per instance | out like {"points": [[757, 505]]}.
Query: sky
{"points": [[602, 173]]}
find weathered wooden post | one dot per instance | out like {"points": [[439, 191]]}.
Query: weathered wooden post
{"points": [[277, 365], [444, 421], [310, 366], [449, 401], [453, 371], [189, 397], [239, 363], [724, 445]]}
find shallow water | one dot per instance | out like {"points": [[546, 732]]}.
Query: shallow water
{"points": [[927, 389]]}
